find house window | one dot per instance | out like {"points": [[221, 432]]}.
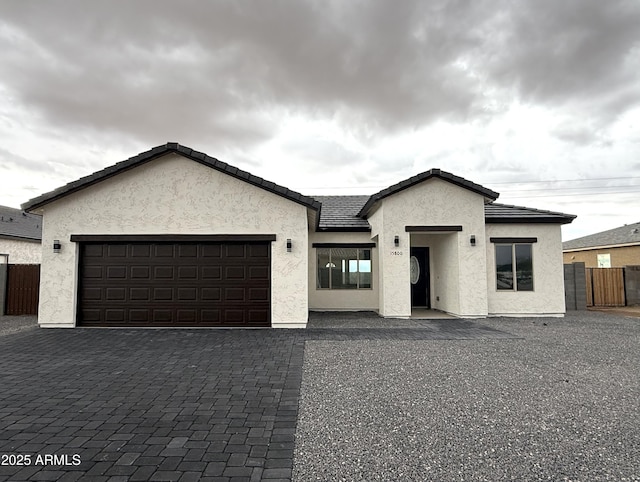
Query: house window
{"points": [[514, 267], [344, 268]]}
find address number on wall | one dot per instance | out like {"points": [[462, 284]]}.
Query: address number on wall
{"points": [[396, 253]]}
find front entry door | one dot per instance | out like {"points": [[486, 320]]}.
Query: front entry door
{"points": [[420, 278]]}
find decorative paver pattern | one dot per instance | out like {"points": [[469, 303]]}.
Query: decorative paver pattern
{"points": [[167, 404], [494, 399]]}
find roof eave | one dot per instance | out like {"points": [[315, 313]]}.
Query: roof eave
{"points": [[21, 238], [344, 229], [603, 246], [529, 219]]}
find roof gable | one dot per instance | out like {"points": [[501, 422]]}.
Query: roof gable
{"points": [[17, 224], [430, 174], [629, 234], [160, 151]]}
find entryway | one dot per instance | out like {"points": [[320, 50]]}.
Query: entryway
{"points": [[419, 275]]}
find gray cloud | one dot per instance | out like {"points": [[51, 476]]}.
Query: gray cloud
{"points": [[158, 70]]}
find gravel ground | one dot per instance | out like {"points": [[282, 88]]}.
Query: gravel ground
{"points": [[560, 403], [16, 324]]}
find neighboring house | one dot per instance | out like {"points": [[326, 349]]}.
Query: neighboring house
{"points": [[173, 237], [614, 248], [20, 235]]}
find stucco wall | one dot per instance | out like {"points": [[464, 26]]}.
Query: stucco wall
{"points": [[547, 297], [174, 195], [433, 202], [21, 252], [620, 257], [323, 299]]}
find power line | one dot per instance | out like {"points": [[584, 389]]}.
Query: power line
{"points": [[570, 188], [380, 186], [574, 194], [564, 180]]}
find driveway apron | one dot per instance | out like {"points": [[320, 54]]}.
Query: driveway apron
{"points": [[122, 404]]}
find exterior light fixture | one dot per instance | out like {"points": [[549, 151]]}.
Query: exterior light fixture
{"points": [[289, 245], [396, 241], [472, 240], [56, 245]]}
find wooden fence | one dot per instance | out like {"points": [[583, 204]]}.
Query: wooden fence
{"points": [[605, 287], [23, 286]]}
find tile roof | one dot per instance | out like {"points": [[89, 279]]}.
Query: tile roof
{"points": [[337, 213], [495, 213], [157, 152], [627, 234], [340, 213], [418, 178], [16, 224]]}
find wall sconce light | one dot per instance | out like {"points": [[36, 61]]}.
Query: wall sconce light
{"points": [[56, 245], [289, 245], [396, 241], [472, 240]]}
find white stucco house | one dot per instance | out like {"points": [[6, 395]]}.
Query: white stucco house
{"points": [[20, 235], [173, 237]]}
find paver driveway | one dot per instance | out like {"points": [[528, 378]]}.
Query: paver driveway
{"points": [[164, 404]]}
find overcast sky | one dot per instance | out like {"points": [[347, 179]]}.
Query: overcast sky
{"points": [[538, 100]]}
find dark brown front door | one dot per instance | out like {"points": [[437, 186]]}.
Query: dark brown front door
{"points": [[174, 284]]}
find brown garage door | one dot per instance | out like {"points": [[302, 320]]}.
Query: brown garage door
{"points": [[175, 284]]}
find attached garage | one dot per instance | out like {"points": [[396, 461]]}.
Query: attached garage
{"points": [[181, 281]]}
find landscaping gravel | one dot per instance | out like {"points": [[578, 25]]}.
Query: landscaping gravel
{"points": [[561, 402]]}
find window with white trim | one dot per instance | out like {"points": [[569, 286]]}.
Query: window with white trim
{"points": [[514, 267], [344, 268]]}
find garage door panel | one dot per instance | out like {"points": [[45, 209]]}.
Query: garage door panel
{"points": [[139, 316], [258, 294], [94, 251], [235, 250], [140, 272], [163, 250], [188, 251], [258, 251], [163, 294], [234, 273], [187, 294], [140, 250], [140, 294], [234, 294], [211, 251], [211, 294], [116, 272], [92, 294], [259, 272], [163, 272], [211, 272], [161, 316], [117, 251], [187, 272], [115, 294], [173, 284], [92, 316], [89, 272], [115, 315]]}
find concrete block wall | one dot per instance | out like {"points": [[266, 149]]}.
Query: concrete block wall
{"points": [[575, 286]]}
